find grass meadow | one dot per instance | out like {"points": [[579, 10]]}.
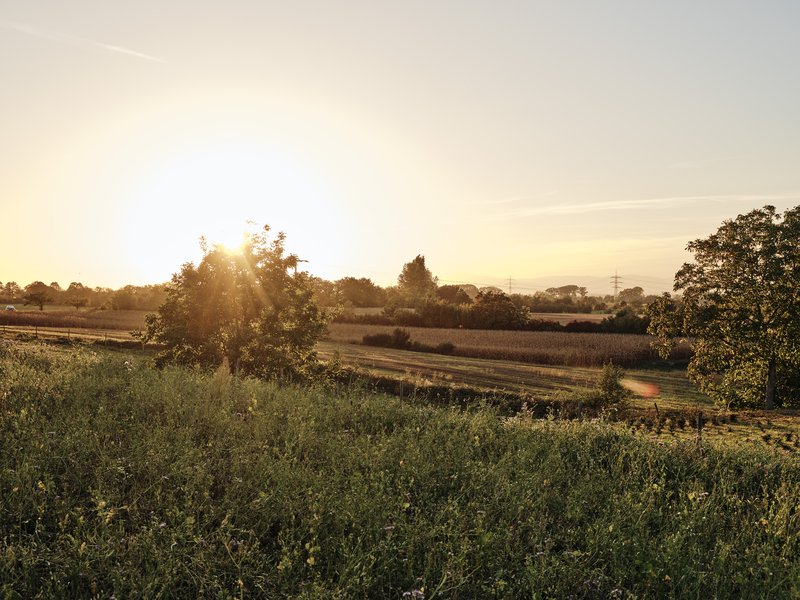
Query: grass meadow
{"points": [[119, 479]]}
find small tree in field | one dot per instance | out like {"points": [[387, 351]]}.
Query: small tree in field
{"points": [[741, 304], [251, 308], [38, 294]]}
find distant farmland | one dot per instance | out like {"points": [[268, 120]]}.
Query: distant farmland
{"points": [[540, 347], [64, 318]]}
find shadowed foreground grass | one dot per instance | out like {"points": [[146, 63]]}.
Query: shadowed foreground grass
{"points": [[119, 479]]}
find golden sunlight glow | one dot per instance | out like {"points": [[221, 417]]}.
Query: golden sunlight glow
{"points": [[219, 192]]}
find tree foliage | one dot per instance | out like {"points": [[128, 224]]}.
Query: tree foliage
{"points": [[453, 294], [361, 292], [741, 304], [415, 282], [252, 309], [38, 294]]}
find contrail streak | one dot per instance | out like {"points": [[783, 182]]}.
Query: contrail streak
{"points": [[576, 209], [71, 39]]}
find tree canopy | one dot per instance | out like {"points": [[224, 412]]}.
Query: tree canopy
{"points": [[741, 304], [415, 282], [252, 309], [38, 294]]}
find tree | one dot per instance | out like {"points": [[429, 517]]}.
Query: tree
{"points": [[633, 296], [77, 295], [252, 309], [495, 310], [38, 294], [416, 282], [453, 294], [741, 304], [360, 292], [12, 290]]}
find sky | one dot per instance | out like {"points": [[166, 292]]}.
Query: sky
{"points": [[511, 143]]}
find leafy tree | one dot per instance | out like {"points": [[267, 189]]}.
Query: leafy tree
{"points": [[415, 282], [633, 296], [12, 290], [360, 292], [567, 291], [495, 310], [742, 307], [453, 294], [77, 295], [252, 309], [324, 292], [38, 294]]}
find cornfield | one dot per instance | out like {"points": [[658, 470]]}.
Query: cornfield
{"points": [[540, 347]]}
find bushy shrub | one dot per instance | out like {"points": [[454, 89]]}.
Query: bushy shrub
{"points": [[400, 339], [608, 390]]}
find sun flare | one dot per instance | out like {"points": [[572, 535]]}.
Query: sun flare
{"points": [[218, 193]]}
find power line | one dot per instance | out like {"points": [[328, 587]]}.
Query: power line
{"points": [[615, 281]]}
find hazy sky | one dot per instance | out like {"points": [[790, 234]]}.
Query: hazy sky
{"points": [[499, 139]]}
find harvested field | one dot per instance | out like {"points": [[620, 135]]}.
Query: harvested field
{"points": [[502, 375], [540, 347]]}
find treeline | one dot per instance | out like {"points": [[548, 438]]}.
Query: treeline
{"points": [[418, 301], [351, 292], [494, 310], [39, 294]]}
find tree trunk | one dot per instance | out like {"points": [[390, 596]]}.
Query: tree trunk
{"points": [[769, 400]]}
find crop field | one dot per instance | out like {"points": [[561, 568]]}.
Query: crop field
{"points": [[565, 318], [540, 347], [69, 318], [501, 375], [117, 479]]}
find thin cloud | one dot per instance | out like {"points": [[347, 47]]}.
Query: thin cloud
{"points": [[702, 163], [514, 199], [56, 36], [614, 205]]}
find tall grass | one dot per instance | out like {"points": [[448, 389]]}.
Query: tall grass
{"points": [[540, 347], [119, 479]]}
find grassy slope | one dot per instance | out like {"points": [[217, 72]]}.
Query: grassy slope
{"points": [[120, 479]]}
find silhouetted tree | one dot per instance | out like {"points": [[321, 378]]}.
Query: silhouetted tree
{"points": [[416, 283], [453, 294], [38, 294], [12, 290], [77, 295], [253, 309], [360, 292]]}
